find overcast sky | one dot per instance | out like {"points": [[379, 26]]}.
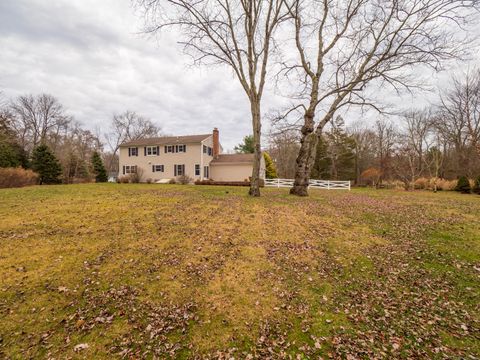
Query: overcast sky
{"points": [[90, 55]]}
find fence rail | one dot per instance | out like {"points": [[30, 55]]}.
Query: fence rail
{"points": [[316, 184]]}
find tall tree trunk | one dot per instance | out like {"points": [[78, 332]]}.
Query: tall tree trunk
{"points": [[257, 156], [305, 158]]}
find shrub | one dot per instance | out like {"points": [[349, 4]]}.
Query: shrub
{"points": [[476, 186], [463, 185], [421, 184], [183, 180], [371, 175], [123, 179], [172, 181], [46, 165], [17, 177], [270, 170], [136, 177], [149, 180]]}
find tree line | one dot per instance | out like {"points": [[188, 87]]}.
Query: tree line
{"points": [[437, 142], [37, 133]]}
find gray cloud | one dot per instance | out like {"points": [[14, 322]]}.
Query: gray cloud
{"points": [[90, 55]]}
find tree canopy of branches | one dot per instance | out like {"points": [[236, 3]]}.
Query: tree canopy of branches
{"points": [[344, 45], [127, 126], [236, 33], [36, 117]]}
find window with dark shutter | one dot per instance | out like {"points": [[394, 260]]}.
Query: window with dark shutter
{"points": [[158, 150], [197, 169]]}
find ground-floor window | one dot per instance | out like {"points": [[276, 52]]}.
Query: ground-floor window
{"points": [[157, 168], [197, 169], [129, 169], [179, 169], [206, 172]]}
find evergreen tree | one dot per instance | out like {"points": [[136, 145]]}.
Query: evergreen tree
{"points": [[463, 185], [476, 186], [99, 168], [270, 170], [341, 150], [323, 162], [246, 147], [46, 165], [11, 153]]}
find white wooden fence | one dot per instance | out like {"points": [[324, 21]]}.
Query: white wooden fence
{"points": [[316, 184]]}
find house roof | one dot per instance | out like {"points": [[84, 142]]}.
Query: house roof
{"points": [[232, 158], [167, 140]]}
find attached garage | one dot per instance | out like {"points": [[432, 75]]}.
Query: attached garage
{"points": [[234, 167]]}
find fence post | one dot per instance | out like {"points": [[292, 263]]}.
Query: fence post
{"points": [[278, 183], [349, 185], [328, 184]]}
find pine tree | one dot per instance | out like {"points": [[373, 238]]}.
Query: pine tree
{"points": [[476, 186], [463, 185], [46, 165], [246, 147], [99, 168], [270, 170], [323, 162]]}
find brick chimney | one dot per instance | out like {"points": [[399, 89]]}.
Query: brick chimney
{"points": [[216, 143]]}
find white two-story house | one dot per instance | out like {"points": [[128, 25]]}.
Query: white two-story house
{"points": [[197, 156]]}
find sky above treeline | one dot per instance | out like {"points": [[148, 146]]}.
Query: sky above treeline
{"points": [[92, 56]]}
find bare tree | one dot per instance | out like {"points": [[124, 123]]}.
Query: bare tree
{"points": [[283, 147], [237, 33], [343, 45], [35, 117], [125, 127], [418, 128], [459, 117]]}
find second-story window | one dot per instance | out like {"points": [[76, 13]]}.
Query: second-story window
{"points": [[133, 151], [175, 149], [151, 150]]}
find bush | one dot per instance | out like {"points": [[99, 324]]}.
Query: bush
{"points": [[476, 186], [149, 180], [422, 184], [17, 177], [136, 177], [123, 179], [183, 180], [447, 185], [463, 185]]}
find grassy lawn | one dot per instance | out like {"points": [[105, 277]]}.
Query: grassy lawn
{"points": [[171, 271]]}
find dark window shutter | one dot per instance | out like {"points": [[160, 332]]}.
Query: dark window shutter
{"points": [[129, 152], [144, 151], [124, 169], [184, 148], [158, 150], [153, 168], [174, 170], [137, 151], [165, 149]]}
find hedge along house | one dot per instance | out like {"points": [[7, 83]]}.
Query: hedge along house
{"points": [[197, 156]]}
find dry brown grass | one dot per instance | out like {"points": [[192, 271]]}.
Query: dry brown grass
{"points": [[179, 272]]}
